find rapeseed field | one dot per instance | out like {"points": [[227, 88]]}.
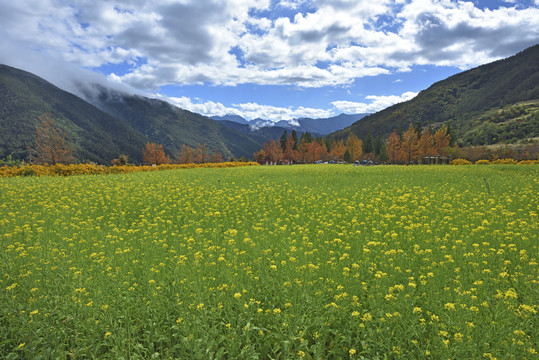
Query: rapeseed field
{"points": [[282, 262]]}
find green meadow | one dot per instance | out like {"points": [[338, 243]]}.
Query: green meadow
{"points": [[272, 262]]}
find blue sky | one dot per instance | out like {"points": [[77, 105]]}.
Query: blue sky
{"points": [[271, 59]]}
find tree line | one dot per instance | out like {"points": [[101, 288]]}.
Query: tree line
{"points": [[415, 145]]}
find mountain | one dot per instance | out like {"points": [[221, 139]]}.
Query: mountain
{"points": [[95, 135], [329, 125], [486, 104], [262, 134], [234, 118], [314, 126], [171, 126]]}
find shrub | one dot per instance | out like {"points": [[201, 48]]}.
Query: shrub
{"points": [[482, 162], [504, 161], [460, 162]]}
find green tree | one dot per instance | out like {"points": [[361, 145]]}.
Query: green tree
{"points": [[295, 137], [368, 146], [284, 138], [347, 157]]}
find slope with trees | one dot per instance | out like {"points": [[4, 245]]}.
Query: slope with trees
{"points": [[95, 135], [490, 102]]}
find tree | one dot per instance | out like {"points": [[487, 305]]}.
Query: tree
{"points": [[50, 143], [353, 145], [393, 148], [441, 140], [187, 155], [295, 137], [426, 144], [216, 157], [284, 138], [346, 156], [306, 137], [409, 145], [121, 161], [273, 151], [201, 154], [153, 154], [368, 146], [337, 151], [289, 153], [377, 145], [260, 156]]}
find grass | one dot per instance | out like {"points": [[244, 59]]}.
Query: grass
{"points": [[326, 261]]}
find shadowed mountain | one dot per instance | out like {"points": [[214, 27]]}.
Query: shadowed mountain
{"points": [[171, 126], [95, 135], [115, 123]]}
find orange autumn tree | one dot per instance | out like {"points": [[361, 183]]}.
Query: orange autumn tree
{"points": [[426, 144], [409, 146], [393, 147], [273, 151], [187, 155], [354, 147], [289, 153], [153, 154], [442, 139], [337, 151], [50, 143]]}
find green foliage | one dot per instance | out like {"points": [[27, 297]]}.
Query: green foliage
{"points": [[347, 157], [10, 161]]}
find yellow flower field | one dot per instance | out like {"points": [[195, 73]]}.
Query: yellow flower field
{"points": [[314, 261]]}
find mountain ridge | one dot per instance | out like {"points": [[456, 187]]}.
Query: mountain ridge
{"points": [[461, 99]]}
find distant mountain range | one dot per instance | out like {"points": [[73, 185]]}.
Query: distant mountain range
{"points": [[313, 126], [489, 104]]}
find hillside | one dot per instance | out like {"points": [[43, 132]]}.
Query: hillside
{"points": [[95, 135], [466, 102], [171, 126], [122, 124]]}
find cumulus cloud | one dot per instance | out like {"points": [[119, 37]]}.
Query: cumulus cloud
{"points": [[305, 43], [248, 110], [376, 103], [190, 41]]}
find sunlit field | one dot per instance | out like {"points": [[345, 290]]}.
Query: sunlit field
{"points": [[315, 261]]}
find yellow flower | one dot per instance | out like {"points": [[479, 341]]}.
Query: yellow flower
{"points": [[107, 334], [417, 310], [450, 306], [237, 295], [352, 352]]}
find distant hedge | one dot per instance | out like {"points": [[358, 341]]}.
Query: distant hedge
{"points": [[91, 169]]}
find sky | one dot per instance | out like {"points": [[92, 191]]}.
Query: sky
{"points": [[269, 59]]}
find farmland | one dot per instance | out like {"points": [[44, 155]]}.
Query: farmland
{"points": [[327, 261]]}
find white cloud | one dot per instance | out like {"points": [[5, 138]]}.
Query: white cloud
{"points": [[248, 111], [377, 103], [337, 41]]}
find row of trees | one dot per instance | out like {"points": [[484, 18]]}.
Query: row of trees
{"points": [[155, 154], [414, 145]]}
